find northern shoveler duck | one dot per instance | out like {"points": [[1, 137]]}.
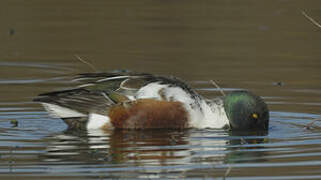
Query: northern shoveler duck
{"points": [[143, 101]]}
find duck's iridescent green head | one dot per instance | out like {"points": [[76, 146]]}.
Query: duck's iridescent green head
{"points": [[246, 111]]}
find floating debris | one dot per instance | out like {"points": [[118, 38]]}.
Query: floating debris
{"points": [[227, 172], [279, 83], [311, 124], [11, 31], [218, 87], [14, 123], [311, 19], [243, 141], [86, 62]]}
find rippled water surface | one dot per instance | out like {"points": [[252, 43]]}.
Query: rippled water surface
{"points": [[267, 47]]}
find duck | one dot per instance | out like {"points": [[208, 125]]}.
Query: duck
{"points": [[128, 100]]}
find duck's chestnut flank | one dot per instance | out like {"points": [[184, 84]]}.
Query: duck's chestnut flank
{"points": [[149, 114]]}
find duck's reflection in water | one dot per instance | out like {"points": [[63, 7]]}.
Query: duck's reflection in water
{"points": [[246, 147], [119, 146], [155, 148]]}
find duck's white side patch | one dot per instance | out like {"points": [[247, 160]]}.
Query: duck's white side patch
{"points": [[61, 112], [150, 91], [97, 121], [208, 117], [178, 94], [196, 116]]}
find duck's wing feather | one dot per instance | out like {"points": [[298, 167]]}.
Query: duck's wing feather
{"points": [[128, 83], [98, 91]]}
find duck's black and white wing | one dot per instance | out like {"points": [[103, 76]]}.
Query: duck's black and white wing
{"points": [[97, 92]]}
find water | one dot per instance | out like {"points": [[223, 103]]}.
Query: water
{"points": [[267, 47]]}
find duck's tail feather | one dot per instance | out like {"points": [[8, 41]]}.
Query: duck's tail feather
{"points": [[75, 103]]}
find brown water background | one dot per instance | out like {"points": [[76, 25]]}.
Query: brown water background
{"points": [[268, 47]]}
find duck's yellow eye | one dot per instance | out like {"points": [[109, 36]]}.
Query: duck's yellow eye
{"points": [[255, 116]]}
